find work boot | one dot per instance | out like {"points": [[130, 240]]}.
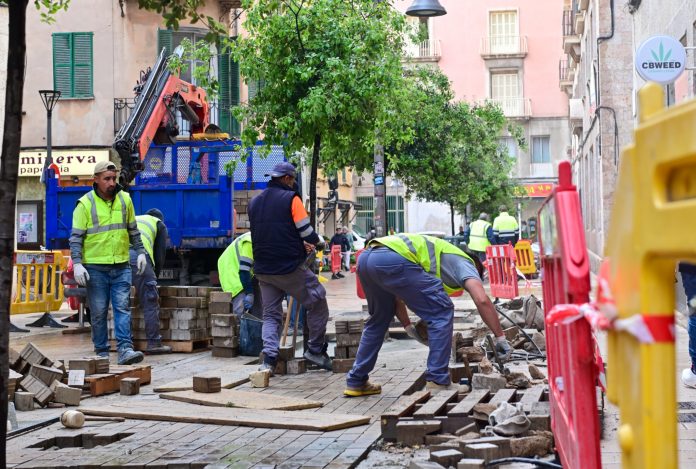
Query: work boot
{"points": [[157, 349], [434, 387], [103, 354], [128, 356], [334, 277], [340, 275], [689, 378], [267, 366], [365, 390], [321, 360]]}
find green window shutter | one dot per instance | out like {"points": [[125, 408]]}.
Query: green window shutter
{"points": [[253, 89], [82, 65], [164, 40], [224, 114], [234, 96], [62, 63]]}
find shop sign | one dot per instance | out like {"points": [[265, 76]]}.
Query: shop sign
{"points": [[534, 190], [660, 59], [69, 162]]}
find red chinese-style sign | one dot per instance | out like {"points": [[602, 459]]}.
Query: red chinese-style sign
{"points": [[534, 190]]}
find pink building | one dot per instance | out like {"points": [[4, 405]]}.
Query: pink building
{"points": [[507, 51]]}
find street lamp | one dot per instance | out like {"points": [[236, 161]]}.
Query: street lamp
{"points": [[49, 98], [426, 8]]}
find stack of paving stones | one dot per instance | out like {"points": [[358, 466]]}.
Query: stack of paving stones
{"points": [[225, 325], [184, 318], [36, 378], [451, 423], [348, 334], [241, 203]]}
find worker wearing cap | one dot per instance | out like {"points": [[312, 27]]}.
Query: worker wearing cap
{"points": [[153, 233], [282, 238], [419, 271], [235, 267], [103, 229], [479, 235], [505, 227]]}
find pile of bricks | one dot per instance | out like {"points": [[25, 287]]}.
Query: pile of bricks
{"points": [[348, 334], [225, 325], [452, 424], [287, 363], [241, 204]]}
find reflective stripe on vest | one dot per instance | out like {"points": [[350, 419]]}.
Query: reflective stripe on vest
{"points": [[147, 225], [422, 250], [478, 239], [106, 237]]}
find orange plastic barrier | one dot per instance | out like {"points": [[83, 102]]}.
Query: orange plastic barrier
{"points": [[572, 352], [335, 259], [502, 275]]}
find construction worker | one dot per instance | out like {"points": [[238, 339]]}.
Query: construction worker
{"points": [[282, 239], [688, 274], [349, 248], [479, 235], [420, 271], [505, 227], [103, 229], [339, 239], [235, 267], [153, 233]]}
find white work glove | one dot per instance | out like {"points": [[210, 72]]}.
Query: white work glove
{"points": [[80, 274], [502, 346], [141, 263], [412, 333]]}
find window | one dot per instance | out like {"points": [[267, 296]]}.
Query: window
{"points": [[365, 216], [72, 65], [227, 72], [508, 145], [395, 214], [540, 150], [505, 90], [502, 29]]}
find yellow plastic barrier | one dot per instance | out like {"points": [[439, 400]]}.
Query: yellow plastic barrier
{"points": [[651, 229], [525, 257], [39, 289]]}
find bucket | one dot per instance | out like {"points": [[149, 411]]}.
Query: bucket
{"points": [[250, 342]]}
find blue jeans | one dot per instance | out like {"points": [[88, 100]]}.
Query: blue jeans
{"points": [[148, 298], [688, 273], [385, 276], [106, 286]]}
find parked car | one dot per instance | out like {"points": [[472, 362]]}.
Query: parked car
{"points": [[358, 239]]}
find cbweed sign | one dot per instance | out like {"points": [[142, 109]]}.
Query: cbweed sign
{"points": [[660, 59]]}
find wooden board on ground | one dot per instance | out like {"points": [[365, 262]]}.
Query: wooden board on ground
{"points": [[167, 411], [178, 346], [243, 399], [106, 383], [230, 379]]}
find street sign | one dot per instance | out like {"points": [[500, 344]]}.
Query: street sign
{"points": [[660, 59], [379, 180]]}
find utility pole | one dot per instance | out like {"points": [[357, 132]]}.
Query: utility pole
{"points": [[380, 209]]}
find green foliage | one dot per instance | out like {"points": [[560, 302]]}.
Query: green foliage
{"points": [[455, 156], [173, 11], [330, 68], [202, 55]]}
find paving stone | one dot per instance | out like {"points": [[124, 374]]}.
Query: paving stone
{"points": [[471, 464], [494, 382], [447, 458]]}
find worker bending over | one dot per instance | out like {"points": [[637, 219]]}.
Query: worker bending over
{"points": [[235, 267], [505, 227], [421, 271], [153, 233]]}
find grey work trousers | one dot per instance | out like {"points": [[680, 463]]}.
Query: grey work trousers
{"points": [[305, 287], [148, 299]]}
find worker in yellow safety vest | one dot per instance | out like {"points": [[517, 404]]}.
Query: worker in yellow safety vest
{"points": [[103, 229], [235, 268], [420, 271], [505, 227], [153, 232], [479, 235]]}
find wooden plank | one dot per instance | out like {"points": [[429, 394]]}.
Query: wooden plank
{"points": [[404, 406], [244, 399], [503, 395], [190, 413], [436, 404], [230, 379], [531, 396], [107, 383], [178, 346], [467, 404]]}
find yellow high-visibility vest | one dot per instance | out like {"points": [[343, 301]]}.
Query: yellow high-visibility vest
{"points": [[238, 255], [147, 225], [478, 240]]}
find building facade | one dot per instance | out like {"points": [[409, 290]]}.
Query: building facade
{"points": [[500, 50]]}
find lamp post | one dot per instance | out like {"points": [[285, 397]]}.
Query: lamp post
{"points": [[426, 8], [49, 99]]}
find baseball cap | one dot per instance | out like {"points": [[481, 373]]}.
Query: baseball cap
{"points": [[155, 213], [282, 169], [104, 166]]}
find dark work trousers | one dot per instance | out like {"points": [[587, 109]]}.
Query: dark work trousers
{"points": [[148, 299], [385, 276], [304, 285], [688, 273]]}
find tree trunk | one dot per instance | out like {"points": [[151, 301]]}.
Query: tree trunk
{"points": [[452, 217], [8, 187], [313, 181]]}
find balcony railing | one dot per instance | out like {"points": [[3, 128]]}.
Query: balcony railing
{"points": [[514, 107], [503, 45], [426, 50], [563, 70], [569, 23]]}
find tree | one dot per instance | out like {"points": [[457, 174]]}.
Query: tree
{"points": [[329, 73], [455, 156], [9, 162]]}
